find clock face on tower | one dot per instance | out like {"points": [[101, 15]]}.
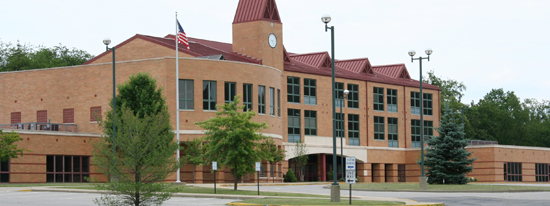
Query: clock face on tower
{"points": [[272, 39]]}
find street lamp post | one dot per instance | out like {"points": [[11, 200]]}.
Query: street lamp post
{"points": [[463, 126], [342, 135], [422, 179], [107, 41], [335, 187]]}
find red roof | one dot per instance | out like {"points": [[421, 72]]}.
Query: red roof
{"points": [[198, 47], [393, 70], [254, 10], [318, 59], [355, 65]]}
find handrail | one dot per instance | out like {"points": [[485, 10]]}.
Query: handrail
{"points": [[64, 127]]}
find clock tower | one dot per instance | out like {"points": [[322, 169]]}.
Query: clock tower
{"points": [[258, 32]]}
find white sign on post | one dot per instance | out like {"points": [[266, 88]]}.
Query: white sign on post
{"points": [[258, 166], [350, 170], [214, 166]]}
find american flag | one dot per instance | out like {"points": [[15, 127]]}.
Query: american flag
{"points": [[182, 37]]}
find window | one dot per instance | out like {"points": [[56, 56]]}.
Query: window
{"points": [[512, 172], [15, 117], [230, 92], [392, 132], [293, 89], [415, 103], [271, 101], [5, 172], [95, 112], [378, 99], [186, 94], [310, 91], [415, 133], [427, 104], [68, 115], [247, 97], [392, 100], [379, 128], [340, 125], [541, 172], [339, 87], [310, 118], [428, 129], [209, 95], [42, 116], [353, 96], [401, 173], [67, 168], [353, 129], [261, 99], [294, 125], [279, 102]]}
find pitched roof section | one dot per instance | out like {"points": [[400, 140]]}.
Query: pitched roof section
{"points": [[254, 10], [393, 71], [317, 60], [198, 47], [355, 65]]}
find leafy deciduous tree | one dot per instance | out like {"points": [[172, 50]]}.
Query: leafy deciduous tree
{"points": [[9, 150], [271, 153], [193, 153], [232, 139], [301, 158]]}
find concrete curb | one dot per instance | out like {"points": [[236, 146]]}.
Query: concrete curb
{"points": [[249, 204], [451, 191]]}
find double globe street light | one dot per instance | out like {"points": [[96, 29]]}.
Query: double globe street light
{"points": [[422, 179]]}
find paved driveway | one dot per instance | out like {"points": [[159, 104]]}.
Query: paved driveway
{"points": [[9, 198], [450, 199]]}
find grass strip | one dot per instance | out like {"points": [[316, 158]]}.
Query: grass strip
{"points": [[205, 190], [435, 187], [45, 184], [279, 201]]}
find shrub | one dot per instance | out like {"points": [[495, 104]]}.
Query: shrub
{"points": [[290, 177]]}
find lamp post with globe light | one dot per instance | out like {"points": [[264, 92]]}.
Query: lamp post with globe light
{"points": [[335, 187], [107, 41], [422, 179]]}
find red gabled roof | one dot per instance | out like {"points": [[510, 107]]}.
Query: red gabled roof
{"points": [[198, 47], [393, 70], [355, 65], [319, 59], [254, 10]]}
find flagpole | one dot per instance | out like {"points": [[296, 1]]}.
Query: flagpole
{"points": [[177, 100]]}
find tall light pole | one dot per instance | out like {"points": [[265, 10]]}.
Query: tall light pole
{"points": [[335, 187], [422, 179], [346, 92], [107, 41]]}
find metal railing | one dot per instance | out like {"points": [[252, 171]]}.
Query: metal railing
{"points": [[41, 126], [481, 142]]}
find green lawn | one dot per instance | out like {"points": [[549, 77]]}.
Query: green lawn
{"points": [[467, 187], [204, 190], [343, 201]]}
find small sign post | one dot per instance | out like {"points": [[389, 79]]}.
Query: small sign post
{"points": [[258, 168], [350, 173], [214, 168]]}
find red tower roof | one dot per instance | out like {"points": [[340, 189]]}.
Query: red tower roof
{"points": [[254, 10]]}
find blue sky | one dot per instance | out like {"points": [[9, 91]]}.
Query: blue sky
{"points": [[485, 44]]}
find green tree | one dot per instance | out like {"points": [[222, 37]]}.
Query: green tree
{"points": [[25, 57], [446, 159], [301, 158], [144, 159], [8, 148], [272, 154], [193, 153], [290, 177], [452, 90], [145, 146], [232, 139]]}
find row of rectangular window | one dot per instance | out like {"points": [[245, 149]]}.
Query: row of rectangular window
{"points": [[310, 118], [67, 168], [310, 92], [186, 96], [68, 115], [393, 134], [391, 97]]}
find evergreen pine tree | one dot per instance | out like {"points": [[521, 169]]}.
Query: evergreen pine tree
{"points": [[446, 159]]}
